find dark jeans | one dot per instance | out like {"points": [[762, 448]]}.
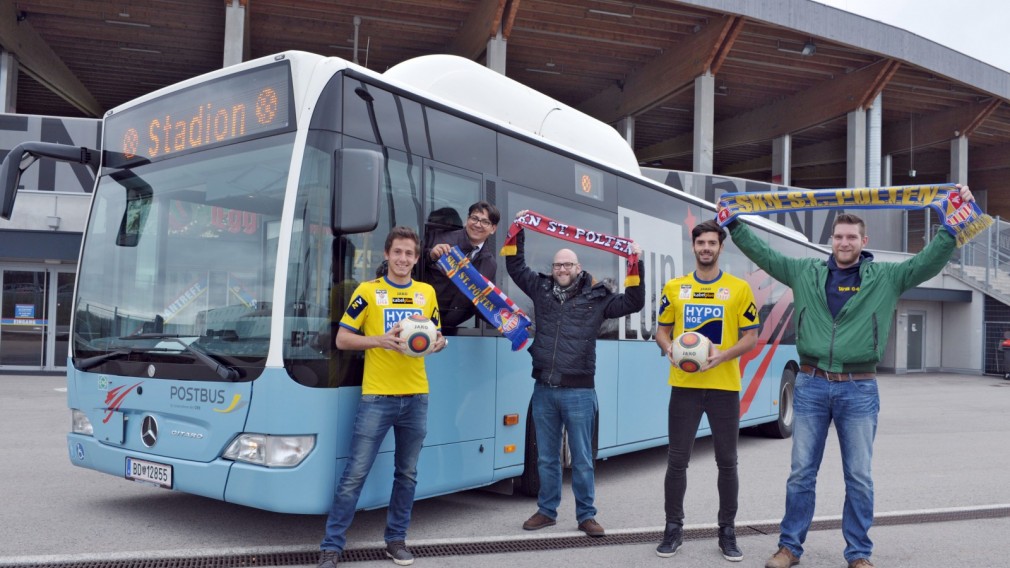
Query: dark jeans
{"points": [[686, 408]]}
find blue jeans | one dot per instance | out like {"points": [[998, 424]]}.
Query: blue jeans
{"points": [[686, 408], [575, 409], [853, 406], [407, 416]]}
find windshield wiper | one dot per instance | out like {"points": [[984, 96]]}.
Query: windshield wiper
{"points": [[226, 372], [85, 364]]}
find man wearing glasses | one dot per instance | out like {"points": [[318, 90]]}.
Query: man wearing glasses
{"points": [[569, 306], [481, 223]]}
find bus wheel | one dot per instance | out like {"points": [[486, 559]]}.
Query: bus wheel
{"points": [[529, 481], [783, 427]]}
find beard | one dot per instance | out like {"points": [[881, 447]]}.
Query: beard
{"points": [[713, 261]]}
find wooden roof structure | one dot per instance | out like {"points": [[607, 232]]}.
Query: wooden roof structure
{"points": [[798, 70]]}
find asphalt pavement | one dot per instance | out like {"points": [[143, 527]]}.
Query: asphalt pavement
{"points": [[941, 471]]}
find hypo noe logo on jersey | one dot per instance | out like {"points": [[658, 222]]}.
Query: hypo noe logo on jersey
{"points": [[393, 315], [706, 319]]}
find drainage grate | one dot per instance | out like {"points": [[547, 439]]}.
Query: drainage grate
{"points": [[310, 557]]}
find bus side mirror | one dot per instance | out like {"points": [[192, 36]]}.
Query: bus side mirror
{"points": [[25, 154], [357, 184], [139, 197]]}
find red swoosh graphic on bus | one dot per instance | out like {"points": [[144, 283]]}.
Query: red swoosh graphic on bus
{"points": [[777, 320], [116, 397]]}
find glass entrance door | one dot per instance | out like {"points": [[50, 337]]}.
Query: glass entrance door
{"points": [[23, 318], [35, 312]]}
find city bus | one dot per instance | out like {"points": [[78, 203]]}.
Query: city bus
{"points": [[233, 215]]}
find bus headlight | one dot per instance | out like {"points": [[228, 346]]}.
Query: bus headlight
{"points": [[79, 423], [271, 451]]}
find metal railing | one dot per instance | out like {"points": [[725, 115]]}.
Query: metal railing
{"points": [[984, 262]]}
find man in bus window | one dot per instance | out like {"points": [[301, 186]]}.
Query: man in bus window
{"points": [[481, 223], [844, 308], [569, 307], [720, 307], [394, 394]]}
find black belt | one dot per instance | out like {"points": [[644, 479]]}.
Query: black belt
{"points": [[836, 377]]}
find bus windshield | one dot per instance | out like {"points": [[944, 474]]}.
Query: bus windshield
{"points": [[178, 264]]}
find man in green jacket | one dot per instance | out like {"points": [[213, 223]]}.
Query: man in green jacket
{"points": [[843, 306]]}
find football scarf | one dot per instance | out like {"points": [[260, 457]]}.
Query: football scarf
{"points": [[492, 303], [547, 226], [962, 219]]}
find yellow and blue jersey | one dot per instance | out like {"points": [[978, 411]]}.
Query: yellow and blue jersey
{"points": [[718, 309], [375, 307]]}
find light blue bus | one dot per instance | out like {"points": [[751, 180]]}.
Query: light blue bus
{"points": [[234, 213]]}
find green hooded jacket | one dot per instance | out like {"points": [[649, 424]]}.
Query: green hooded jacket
{"points": [[854, 341]]}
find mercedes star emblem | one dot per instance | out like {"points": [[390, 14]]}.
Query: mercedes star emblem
{"points": [[149, 431]]}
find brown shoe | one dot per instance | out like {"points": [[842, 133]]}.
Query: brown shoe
{"points": [[591, 527], [784, 558], [538, 521], [861, 563]]}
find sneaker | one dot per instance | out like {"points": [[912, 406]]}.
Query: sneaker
{"points": [[727, 544], [673, 537], [397, 551], [861, 563], [328, 558], [538, 521], [784, 558], [591, 527]]}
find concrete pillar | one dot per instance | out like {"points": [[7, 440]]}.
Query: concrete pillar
{"points": [[873, 131], [236, 31], [704, 123], [782, 160], [959, 160], [496, 52], [8, 82], [626, 126], [855, 149]]}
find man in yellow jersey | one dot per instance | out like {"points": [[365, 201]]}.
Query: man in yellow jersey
{"points": [[394, 394], [720, 307]]}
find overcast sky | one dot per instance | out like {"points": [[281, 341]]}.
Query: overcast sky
{"points": [[977, 28]]}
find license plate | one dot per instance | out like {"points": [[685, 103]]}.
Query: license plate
{"points": [[149, 472]]}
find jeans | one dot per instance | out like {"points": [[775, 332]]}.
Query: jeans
{"points": [[853, 407], [686, 408], [408, 416], [575, 409]]}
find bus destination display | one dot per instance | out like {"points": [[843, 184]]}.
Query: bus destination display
{"points": [[227, 110]]}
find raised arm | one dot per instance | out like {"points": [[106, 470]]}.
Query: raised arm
{"points": [[524, 276], [776, 264], [633, 298]]}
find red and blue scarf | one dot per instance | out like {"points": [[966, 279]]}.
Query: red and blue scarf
{"points": [[492, 303], [595, 239]]}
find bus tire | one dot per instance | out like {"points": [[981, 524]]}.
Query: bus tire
{"points": [[529, 481], [782, 427]]}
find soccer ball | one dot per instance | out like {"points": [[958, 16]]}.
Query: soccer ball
{"points": [[420, 334], [690, 351]]}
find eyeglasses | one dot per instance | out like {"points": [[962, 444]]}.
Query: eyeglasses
{"points": [[486, 223], [565, 265]]}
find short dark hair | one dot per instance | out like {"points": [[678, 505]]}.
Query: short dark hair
{"points": [[709, 226], [492, 212], [849, 219], [401, 232]]}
